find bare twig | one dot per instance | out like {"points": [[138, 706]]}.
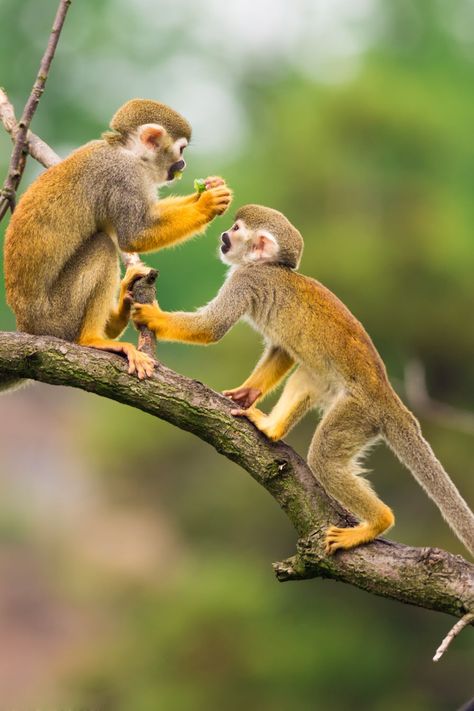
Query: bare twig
{"points": [[17, 161], [458, 627], [38, 149]]}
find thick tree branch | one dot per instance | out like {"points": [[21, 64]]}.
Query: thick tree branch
{"points": [[426, 577]]}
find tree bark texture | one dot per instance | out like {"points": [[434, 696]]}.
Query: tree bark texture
{"points": [[427, 577]]}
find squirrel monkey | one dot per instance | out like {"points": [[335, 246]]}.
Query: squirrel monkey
{"points": [[61, 247], [337, 370]]}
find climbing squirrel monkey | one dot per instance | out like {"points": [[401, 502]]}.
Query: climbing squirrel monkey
{"points": [[338, 370], [61, 246]]}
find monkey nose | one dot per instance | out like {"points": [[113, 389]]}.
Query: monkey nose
{"points": [[226, 243]]}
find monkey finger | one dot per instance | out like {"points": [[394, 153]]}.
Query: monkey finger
{"points": [[213, 181], [239, 413], [221, 192], [133, 273]]}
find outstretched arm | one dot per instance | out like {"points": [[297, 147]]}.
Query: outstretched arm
{"points": [[175, 219], [270, 369], [206, 325]]}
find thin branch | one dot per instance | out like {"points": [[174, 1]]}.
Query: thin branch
{"points": [[458, 627], [38, 149], [427, 577], [17, 162]]}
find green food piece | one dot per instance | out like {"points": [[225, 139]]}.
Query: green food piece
{"points": [[200, 185], [178, 175]]}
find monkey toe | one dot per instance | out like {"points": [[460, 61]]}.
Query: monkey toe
{"points": [[141, 364], [345, 538]]}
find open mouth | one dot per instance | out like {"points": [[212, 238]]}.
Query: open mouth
{"points": [[176, 168], [226, 245]]}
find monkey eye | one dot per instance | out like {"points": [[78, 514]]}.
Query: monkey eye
{"points": [[181, 150], [235, 228]]}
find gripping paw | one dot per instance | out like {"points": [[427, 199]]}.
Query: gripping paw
{"points": [[261, 422], [138, 362], [132, 274], [244, 397], [145, 315], [344, 538], [215, 200], [213, 181]]}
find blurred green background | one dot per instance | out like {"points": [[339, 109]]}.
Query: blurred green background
{"points": [[135, 562]]}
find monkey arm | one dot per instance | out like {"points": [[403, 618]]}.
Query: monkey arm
{"points": [[270, 369], [175, 219], [179, 200], [179, 325], [206, 325]]}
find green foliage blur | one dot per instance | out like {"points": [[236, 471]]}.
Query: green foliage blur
{"points": [[136, 560]]}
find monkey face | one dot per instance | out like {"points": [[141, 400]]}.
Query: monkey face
{"points": [[159, 151], [242, 245]]}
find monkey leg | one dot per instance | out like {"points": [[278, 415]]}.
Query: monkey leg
{"points": [[340, 439], [88, 287], [93, 335], [298, 396]]}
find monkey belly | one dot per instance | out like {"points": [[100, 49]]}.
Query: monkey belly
{"points": [[87, 283]]}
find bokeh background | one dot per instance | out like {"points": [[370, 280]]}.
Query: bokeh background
{"points": [[135, 561]]}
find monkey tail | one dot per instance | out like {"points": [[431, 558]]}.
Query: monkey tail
{"points": [[402, 433]]}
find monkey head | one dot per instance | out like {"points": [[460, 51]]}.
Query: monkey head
{"points": [[156, 133], [261, 234]]}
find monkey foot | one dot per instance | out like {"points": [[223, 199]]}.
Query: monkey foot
{"points": [[344, 538], [138, 362], [261, 422]]}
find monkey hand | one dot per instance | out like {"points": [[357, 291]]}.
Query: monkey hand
{"points": [[132, 274], [215, 199], [213, 181], [147, 315], [244, 396]]}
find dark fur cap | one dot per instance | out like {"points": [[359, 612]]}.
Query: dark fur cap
{"points": [[140, 111], [289, 238]]}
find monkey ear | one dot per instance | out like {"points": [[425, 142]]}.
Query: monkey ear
{"points": [[264, 246], [151, 135]]}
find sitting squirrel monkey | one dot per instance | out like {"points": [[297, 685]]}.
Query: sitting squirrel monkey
{"points": [[61, 247], [337, 370]]}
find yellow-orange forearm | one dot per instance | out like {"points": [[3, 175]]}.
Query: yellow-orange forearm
{"points": [[271, 368], [173, 221], [175, 326]]}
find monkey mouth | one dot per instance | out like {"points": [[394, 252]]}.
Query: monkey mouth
{"points": [[176, 168], [226, 244]]}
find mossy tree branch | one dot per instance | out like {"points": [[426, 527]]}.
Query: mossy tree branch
{"points": [[427, 577]]}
